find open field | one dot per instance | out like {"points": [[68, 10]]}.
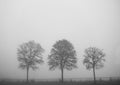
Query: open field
{"points": [[110, 82]]}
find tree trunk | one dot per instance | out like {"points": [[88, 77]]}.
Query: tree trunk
{"points": [[27, 74], [62, 79], [94, 75]]}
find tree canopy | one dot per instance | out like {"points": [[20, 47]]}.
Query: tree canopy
{"points": [[63, 56], [94, 58], [30, 54]]}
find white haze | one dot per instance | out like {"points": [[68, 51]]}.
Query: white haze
{"points": [[83, 22]]}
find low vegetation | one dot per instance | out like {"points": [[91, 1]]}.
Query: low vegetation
{"points": [[100, 82]]}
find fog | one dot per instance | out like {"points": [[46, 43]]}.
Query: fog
{"points": [[84, 23]]}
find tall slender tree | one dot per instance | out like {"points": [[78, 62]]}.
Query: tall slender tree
{"points": [[29, 55], [93, 59], [63, 56]]}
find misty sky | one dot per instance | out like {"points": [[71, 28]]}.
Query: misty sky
{"points": [[82, 22]]}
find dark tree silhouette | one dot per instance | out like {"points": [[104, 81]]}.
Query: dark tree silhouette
{"points": [[94, 58], [63, 56], [29, 55]]}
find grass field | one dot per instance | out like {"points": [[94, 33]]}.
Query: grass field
{"points": [[110, 82]]}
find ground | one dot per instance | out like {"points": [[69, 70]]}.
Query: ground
{"points": [[110, 82]]}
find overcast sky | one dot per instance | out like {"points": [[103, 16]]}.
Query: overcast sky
{"points": [[82, 22]]}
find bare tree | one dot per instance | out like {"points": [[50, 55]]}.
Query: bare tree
{"points": [[63, 56], [94, 58], [29, 55]]}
